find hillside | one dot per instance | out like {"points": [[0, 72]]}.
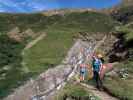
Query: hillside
{"points": [[123, 52], [126, 2], [35, 44], [123, 14], [48, 52]]}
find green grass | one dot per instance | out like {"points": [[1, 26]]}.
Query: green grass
{"points": [[76, 91], [122, 88], [87, 21], [127, 30], [92, 20], [23, 21], [48, 52], [53, 48], [11, 74]]}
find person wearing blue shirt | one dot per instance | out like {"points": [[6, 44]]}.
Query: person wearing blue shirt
{"points": [[97, 63]]}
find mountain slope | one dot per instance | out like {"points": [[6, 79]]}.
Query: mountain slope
{"points": [[47, 52], [120, 84]]}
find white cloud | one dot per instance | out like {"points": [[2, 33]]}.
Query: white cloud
{"points": [[11, 4], [2, 10], [27, 5]]}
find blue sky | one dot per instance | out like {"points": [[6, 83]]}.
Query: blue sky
{"points": [[40, 5]]}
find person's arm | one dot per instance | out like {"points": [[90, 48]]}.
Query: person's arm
{"points": [[101, 66]]}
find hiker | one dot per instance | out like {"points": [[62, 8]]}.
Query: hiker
{"points": [[97, 64], [82, 72]]}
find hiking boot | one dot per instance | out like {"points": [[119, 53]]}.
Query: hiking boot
{"points": [[100, 88]]}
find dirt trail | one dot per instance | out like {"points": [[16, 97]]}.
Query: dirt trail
{"points": [[32, 43], [101, 94], [49, 82], [28, 46]]}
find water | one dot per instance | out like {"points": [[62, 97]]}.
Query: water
{"points": [[40, 5]]}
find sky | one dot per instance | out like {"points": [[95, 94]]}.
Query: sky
{"points": [[21, 6]]}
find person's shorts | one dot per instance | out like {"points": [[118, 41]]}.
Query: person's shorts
{"points": [[82, 73]]}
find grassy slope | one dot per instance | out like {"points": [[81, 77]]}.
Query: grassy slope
{"points": [[10, 67], [54, 47], [48, 52], [51, 50], [124, 14], [117, 86], [122, 88], [127, 2]]}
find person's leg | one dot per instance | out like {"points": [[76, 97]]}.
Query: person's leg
{"points": [[97, 80], [94, 75], [100, 84], [81, 77]]}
